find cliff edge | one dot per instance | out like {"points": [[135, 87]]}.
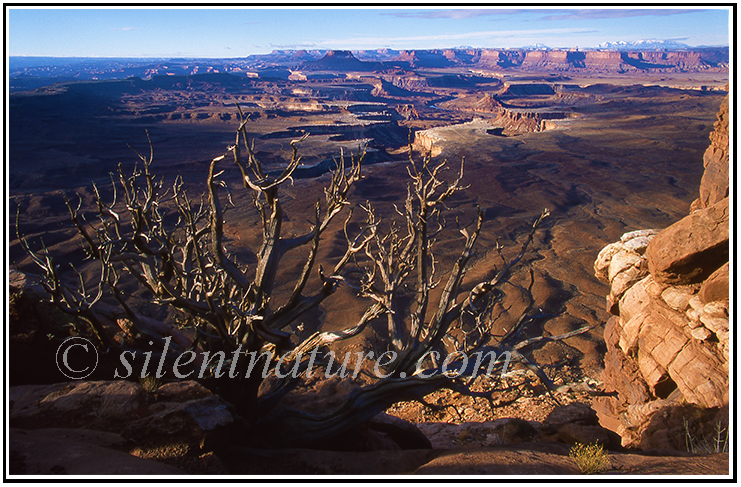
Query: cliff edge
{"points": [[668, 341]]}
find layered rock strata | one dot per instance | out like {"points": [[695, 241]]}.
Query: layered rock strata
{"points": [[668, 341], [436, 139], [560, 60]]}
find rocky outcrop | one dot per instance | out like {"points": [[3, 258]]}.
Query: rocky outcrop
{"points": [[72, 423], [693, 248], [76, 452], [429, 141], [515, 122], [715, 179], [121, 407], [668, 341], [569, 424], [408, 81], [508, 121], [408, 112], [340, 61], [383, 88], [501, 122]]}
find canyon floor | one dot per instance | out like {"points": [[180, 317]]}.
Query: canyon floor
{"points": [[626, 155]]}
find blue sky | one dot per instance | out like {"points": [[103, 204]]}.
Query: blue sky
{"points": [[237, 32]]}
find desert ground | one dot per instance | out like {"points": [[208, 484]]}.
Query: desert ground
{"points": [[611, 153]]}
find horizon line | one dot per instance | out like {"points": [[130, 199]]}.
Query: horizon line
{"points": [[526, 48]]}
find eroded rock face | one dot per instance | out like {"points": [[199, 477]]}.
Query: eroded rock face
{"points": [[623, 264], [607, 61], [667, 345], [715, 179], [693, 248]]}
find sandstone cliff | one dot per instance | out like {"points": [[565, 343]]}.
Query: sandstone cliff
{"points": [[509, 121], [607, 61], [668, 341], [340, 61], [429, 141], [593, 61]]}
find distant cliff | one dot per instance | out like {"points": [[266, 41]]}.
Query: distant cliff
{"points": [[668, 341], [340, 61], [613, 61], [591, 61], [31, 73]]}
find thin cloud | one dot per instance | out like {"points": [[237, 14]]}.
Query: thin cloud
{"points": [[289, 47], [553, 14], [124, 29], [593, 14], [677, 39], [492, 34], [453, 14]]}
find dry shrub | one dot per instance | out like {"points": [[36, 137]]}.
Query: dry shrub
{"points": [[150, 384], [590, 459]]}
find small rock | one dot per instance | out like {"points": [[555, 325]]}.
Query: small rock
{"points": [[723, 338], [575, 412], [509, 430], [625, 279], [677, 297], [638, 234], [622, 261], [715, 325], [638, 241], [17, 280], [602, 263], [701, 333], [694, 317], [716, 309], [402, 432], [715, 287], [696, 303], [585, 434]]}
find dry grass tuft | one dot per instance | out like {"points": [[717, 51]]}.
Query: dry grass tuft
{"points": [[150, 384], [590, 458]]}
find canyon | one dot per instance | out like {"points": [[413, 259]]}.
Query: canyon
{"points": [[31, 73], [612, 142]]}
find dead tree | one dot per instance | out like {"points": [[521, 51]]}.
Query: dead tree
{"points": [[186, 266]]}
